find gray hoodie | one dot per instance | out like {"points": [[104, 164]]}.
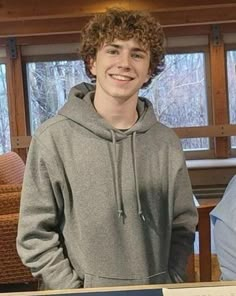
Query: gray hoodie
{"points": [[103, 207]]}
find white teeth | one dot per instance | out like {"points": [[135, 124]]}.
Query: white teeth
{"points": [[120, 77]]}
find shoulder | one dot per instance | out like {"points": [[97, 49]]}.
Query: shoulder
{"points": [[51, 135], [165, 134], [51, 125]]}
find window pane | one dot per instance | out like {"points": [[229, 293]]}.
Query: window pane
{"points": [[49, 84], [5, 145], [231, 75], [179, 95]]}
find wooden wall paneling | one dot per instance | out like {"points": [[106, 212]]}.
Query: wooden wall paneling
{"points": [[49, 39], [16, 98], [198, 16], [201, 29], [42, 27], [30, 18], [28, 9], [43, 39], [219, 89], [193, 30], [74, 37], [212, 176]]}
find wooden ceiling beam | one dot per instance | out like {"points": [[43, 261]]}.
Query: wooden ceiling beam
{"points": [[197, 17], [39, 27], [42, 9], [74, 37], [176, 16]]}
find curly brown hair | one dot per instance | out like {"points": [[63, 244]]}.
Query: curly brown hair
{"points": [[121, 24]]}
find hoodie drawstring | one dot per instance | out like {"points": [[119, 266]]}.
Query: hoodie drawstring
{"points": [[117, 187], [140, 211], [120, 209]]}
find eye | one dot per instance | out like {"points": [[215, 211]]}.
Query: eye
{"points": [[137, 56], [112, 51]]}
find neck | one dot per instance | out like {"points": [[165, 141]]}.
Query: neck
{"points": [[120, 114]]}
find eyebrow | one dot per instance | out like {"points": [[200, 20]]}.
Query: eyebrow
{"points": [[135, 49]]}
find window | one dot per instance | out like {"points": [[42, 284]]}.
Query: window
{"points": [[231, 76], [48, 85], [4, 119], [179, 95]]}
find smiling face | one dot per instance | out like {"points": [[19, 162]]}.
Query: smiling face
{"points": [[121, 68]]}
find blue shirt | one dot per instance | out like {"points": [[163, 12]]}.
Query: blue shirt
{"points": [[224, 220]]}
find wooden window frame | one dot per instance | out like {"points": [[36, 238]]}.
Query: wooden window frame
{"points": [[31, 59], [198, 154], [173, 50], [211, 91]]}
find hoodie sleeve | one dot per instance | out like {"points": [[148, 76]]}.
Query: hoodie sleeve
{"points": [[185, 219], [38, 239]]}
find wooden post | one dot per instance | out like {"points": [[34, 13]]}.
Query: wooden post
{"points": [[219, 89], [16, 98]]}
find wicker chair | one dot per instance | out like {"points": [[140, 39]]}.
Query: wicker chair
{"points": [[12, 271], [11, 169]]}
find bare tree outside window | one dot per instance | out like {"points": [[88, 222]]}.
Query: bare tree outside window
{"points": [[49, 84], [179, 95], [231, 75], [5, 145]]}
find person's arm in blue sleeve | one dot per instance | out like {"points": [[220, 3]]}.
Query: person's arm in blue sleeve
{"points": [[225, 243]]}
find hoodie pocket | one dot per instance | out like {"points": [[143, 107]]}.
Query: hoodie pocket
{"points": [[92, 281]]}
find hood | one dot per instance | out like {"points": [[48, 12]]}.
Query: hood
{"points": [[80, 109]]}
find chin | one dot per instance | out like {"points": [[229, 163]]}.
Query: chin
{"points": [[122, 96]]}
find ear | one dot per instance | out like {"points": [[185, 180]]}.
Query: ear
{"points": [[92, 66]]}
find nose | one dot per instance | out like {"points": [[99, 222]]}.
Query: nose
{"points": [[125, 61]]}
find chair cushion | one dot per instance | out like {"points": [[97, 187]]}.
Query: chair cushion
{"points": [[12, 270], [9, 203], [10, 188], [11, 168]]}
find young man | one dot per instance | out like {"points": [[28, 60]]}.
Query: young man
{"points": [[106, 199]]}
